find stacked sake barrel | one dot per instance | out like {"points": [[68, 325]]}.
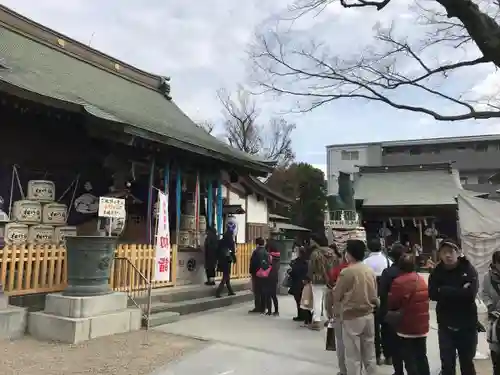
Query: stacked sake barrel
{"points": [[38, 219], [188, 235]]}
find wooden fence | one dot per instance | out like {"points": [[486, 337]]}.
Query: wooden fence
{"points": [[31, 269]]}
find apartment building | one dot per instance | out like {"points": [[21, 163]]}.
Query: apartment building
{"points": [[475, 157]]}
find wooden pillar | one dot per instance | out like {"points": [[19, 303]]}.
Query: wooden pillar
{"points": [[166, 178], [149, 228], [219, 208], [210, 202], [178, 198], [197, 208]]}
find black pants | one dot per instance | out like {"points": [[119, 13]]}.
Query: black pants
{"points": [[463, 342], [210, 272], [225, 281], [300, 312], [495, 359], [382, 339], [271, 297], [414, 354], [393, 347], [259, 297], [308, 316]]}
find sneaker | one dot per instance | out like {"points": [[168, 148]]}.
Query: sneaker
{"points": [[276, 313], [298, 319], [268, 313], [231, 294], [254, 311]]}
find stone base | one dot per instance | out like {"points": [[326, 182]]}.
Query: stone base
{"points": [[12, 322], [4, 301], [76, 319]]}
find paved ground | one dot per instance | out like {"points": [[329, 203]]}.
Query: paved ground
{"points": [[245, 345], [132, 353]]}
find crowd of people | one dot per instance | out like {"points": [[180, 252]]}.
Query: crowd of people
{"points": [[379, 305]]}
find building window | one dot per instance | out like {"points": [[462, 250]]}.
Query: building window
{"points": [[350, 155], [483, 179], [415, 151], [463, 180], [481, 147]]}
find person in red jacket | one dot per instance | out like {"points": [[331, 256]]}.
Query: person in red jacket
{"points": [[409, 295]]}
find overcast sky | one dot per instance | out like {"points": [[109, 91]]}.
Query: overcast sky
{"points": [[202, 45]]}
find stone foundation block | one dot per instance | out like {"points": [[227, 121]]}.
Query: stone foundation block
{"points": [[84, 307], [44, 326], [12, 322]]}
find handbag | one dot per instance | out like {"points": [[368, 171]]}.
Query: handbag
{"points": [[287, 281], [393, 317], [330, 344]]}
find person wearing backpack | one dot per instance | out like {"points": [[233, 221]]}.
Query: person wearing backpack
{"points": [[225, 258], [258, 259], [491, 298]]}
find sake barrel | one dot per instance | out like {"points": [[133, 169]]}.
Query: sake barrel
{"points": [[16, 234], [203, 223], [188, 222], [54, 214], [41, 234], [60, 233], [27, 212], [41, 191], [185, 238]]}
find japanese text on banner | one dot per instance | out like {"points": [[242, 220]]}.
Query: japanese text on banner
{"points": [[162, 243]]}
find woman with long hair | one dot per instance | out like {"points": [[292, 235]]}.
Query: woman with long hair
{"points": [[297, 274]]}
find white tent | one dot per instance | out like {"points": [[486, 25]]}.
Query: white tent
{"points": [[479, 230], [480, 236]]}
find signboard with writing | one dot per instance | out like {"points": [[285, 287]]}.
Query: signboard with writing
{"points": [[162, 243], [113, 208]]}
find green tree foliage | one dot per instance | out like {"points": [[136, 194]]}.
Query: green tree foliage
{"points": [[307, 186]]}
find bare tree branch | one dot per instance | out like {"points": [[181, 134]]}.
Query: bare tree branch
{"points": [[242, 131], [385, 72], [208, 126]]}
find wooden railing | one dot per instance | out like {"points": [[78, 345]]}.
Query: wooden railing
{"points": [[31, 269]]}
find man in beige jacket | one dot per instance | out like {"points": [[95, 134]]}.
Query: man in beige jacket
{"points": [[355, 298]]}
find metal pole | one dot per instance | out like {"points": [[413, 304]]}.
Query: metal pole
{"points": [[150, 201]]}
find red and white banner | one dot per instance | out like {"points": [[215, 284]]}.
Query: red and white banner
{"points": [[162, 243]]}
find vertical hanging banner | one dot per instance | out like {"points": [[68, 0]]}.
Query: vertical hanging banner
{"points": [[162, 243]]}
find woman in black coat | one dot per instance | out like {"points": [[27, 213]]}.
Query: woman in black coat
{"points": [[298, 273], [211, 246], [226, 256]]}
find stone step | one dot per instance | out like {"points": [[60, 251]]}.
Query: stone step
{"points": [[201, 304], [163, 317], [187, 292]]}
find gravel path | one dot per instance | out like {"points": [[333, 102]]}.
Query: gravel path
{"points": [[134, 353]]}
